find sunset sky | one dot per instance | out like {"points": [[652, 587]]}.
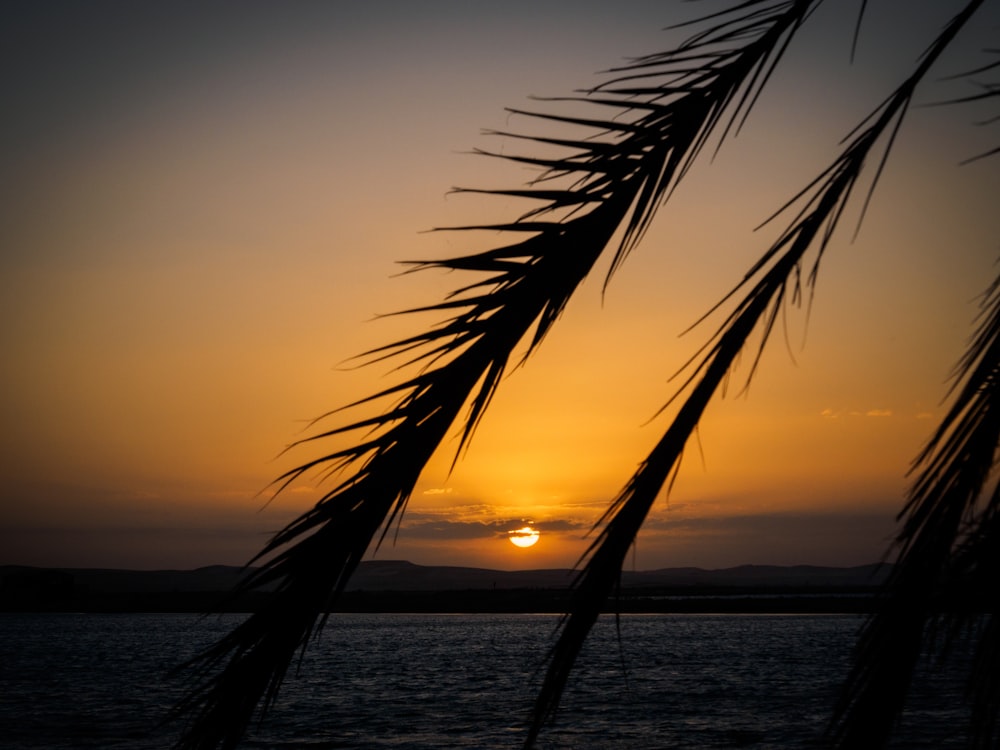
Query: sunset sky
{"points": [[201, 211]]}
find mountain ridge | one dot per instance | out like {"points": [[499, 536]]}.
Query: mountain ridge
{"points": [[402, 575]]}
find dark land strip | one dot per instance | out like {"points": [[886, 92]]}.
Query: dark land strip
{"points": [[397, 586]]}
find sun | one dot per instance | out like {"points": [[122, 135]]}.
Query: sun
{"points": [[523, 537]]}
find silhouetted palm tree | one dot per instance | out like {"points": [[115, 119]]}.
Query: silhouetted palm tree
{"points": [[612, 179]]}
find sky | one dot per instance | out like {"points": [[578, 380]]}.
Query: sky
{"points": [[202, 211]]}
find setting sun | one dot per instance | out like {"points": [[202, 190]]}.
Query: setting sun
{"points": [[523, 537]]}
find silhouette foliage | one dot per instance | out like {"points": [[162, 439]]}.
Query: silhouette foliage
{"points": [[599, 196]]}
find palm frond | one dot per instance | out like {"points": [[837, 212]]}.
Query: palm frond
{"points": [[988, 91], [619, 184], [976, 569], [777, 272], [947, 544]]}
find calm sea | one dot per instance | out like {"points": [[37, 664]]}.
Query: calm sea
{"points": [[432, 682]]}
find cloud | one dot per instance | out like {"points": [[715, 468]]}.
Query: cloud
{"points": [[425, 526], [437, 491], [440, 529], [775, 525], [830, 413], [852, 537], [562, 525]]}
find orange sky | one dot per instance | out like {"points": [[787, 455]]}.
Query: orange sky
{"points": [[201, 212]]}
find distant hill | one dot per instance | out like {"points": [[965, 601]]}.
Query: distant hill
{"points": [[395, 585]]}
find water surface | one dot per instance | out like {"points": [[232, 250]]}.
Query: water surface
{"points": [[433, 682]]}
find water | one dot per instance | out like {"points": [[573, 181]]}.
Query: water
{"points": [[433, 682]]}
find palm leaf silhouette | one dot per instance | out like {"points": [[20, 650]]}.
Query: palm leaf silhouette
{"points": [[622, 178], [947, 544], [602, 194]]}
